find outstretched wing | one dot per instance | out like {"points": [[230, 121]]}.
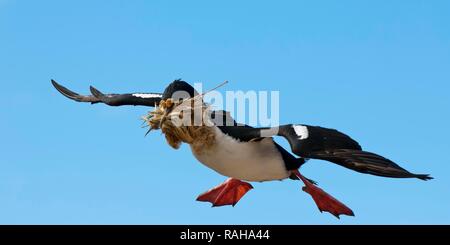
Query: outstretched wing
{"points": [[143, 99], [326, 144], [334, 146]]}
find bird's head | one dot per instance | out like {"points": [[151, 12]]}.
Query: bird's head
{"points": [[178, 90]]}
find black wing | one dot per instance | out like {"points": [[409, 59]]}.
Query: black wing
{"points": [[144, 99], [326, 144], [331, 145], [367, 162]]}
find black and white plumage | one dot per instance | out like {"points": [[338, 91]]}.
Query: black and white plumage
{"points": [[313, 142], [244, 153]]}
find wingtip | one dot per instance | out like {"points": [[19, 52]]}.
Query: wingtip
{"points": [[95, 92], [54, 83], [72, 95], [424, 177], [63, 90]]}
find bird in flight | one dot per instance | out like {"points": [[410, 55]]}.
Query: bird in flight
{"points": [[244, 153]]}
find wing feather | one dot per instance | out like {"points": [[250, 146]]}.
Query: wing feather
{"points": [[143, 99]]}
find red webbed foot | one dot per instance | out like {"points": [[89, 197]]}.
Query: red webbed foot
{"points": [[227, 193], [324, 201]]}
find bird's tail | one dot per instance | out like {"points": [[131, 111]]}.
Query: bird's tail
{"points": [[368, 163]]}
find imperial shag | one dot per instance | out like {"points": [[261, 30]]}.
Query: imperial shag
{"points": [[244, 153]]}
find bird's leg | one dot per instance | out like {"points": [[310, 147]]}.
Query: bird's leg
{"points": [[227, 193], [324, 201]]}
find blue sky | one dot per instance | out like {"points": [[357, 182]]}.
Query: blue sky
{"points": [[377, 70]]}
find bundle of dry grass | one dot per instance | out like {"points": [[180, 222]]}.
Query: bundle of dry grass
{"points": [[176, 121]]}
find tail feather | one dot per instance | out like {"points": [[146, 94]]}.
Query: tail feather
{"points": [[367, 162]]}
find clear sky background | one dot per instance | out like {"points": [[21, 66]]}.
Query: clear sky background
{"points": [[377, 70]]}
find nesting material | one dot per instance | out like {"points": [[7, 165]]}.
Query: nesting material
{"points": [[176, 121]]}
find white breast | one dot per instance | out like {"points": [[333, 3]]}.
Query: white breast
{"points": [[251, 161]]}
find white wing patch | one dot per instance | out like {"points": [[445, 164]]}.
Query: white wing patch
{"points": [[301, 131], [147, 96]]}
